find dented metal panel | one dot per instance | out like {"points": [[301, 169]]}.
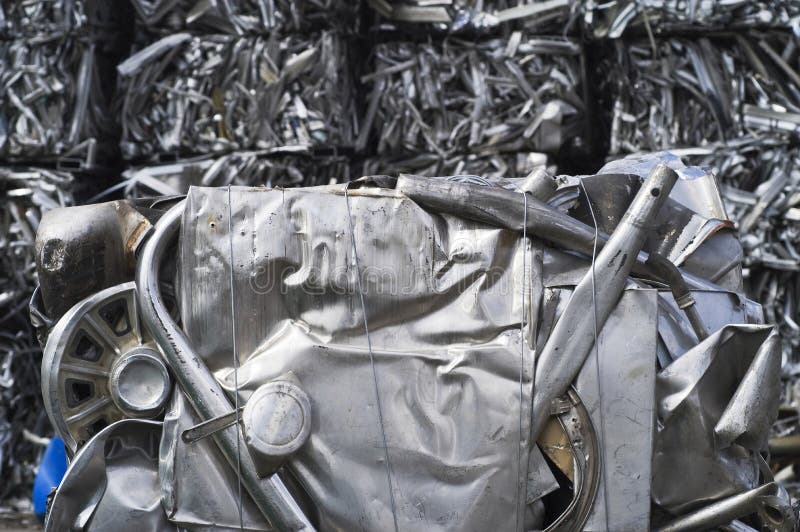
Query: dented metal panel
{"points": [[444, 298]]}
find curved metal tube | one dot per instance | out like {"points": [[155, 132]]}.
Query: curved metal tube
{"points": [[595, 297], [670, 273], [504, 208], [767, 500], [198, 384]]}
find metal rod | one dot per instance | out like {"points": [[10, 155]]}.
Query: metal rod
{"points": [[785, 446], [503, 208], [198, 384], [670, 273], [721, 512], [209, 427], [574, 334]]}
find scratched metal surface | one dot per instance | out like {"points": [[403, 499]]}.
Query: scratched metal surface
{"points": [[443, 298]]}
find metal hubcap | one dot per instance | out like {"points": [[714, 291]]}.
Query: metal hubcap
{"points": [[101, 366]]}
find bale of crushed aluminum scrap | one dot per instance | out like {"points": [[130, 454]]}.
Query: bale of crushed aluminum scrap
{"points": [[185, 95], [25, 194], [55, 102], [540, 16], [760, 178], [615, 17], [247, 16], [455, 97], [238, 168], [662, 417], [488, 166], [51, 16], [692, 92]]}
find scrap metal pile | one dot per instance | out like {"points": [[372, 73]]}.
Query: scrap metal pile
{"points": [[151, 97], [433, 353], [241, 81], [728, 100], [57, 75], [25, 195]]}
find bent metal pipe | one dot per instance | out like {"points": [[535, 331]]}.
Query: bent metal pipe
{"points": [[199, 385], [574, 334]]}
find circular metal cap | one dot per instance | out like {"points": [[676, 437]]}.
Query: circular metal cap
{"points": [[140, 383], [277, 419]]}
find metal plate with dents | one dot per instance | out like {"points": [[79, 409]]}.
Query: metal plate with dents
{"points": [[101, 366]]}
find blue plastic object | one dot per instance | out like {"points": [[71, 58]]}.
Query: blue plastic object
{"points": [[51, 471]]}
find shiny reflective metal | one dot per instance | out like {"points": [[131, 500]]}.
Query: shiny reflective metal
{"points": [[433, 104], [586, 450], [276, 422], [115, 474], [209, 427], [100, 366], [574, 334], [140, 383], [197, 382], [770, 501], [612, 19], [654, 428], [297, 314], [189, 94], [504, 208]]}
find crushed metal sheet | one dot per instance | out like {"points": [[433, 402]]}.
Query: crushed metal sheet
{"points": [[613, 18], [667, 94], [487, 167], [540, 16], [263, 169]]}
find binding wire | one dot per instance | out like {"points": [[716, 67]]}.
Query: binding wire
{"points": [[522, 350], [597, 347], [371, 357], [235, 367]]}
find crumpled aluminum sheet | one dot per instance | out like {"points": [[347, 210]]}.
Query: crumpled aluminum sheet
{"points": [[241, 17], [54, 102], [445, 300], [188, 95], [444, 330], [715, 411], [611, 19], [286, 296], [196, 485], [113, 482], [457, 97], [540, 16], [679, 92], [759, 177], [25, 194], [263, 169]]}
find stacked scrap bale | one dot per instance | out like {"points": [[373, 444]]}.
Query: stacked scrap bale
{"points": [[56, 72], [720, 86], [25, 194], [491, 88], [212, 80]]}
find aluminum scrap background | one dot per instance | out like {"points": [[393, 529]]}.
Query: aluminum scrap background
{"points": [[293, 92]]}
